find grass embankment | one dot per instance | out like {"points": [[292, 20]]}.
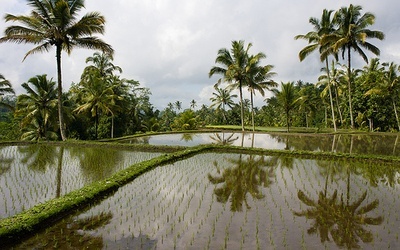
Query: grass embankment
{"points": [[41, 215]]}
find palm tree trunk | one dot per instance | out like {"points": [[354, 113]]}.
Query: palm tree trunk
{"points": [[287, 120], [241, 105], [349, 87], [112, 125], [59, 91], [395, 113], [252, 110], [338, 105], [330, 94]]}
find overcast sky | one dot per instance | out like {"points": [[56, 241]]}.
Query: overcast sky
{"points": [[169, 46]]}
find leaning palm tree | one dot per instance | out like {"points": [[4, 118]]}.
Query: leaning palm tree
{"points": [[5, 88], [258, 79], [55, 23], [322, 27], [232, 67], [353, 34]]}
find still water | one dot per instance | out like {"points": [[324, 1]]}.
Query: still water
{"points": [[37, 173], [237, 201], [345, 143]]}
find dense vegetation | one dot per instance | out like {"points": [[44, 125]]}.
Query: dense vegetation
{"points": [[103, 104]]}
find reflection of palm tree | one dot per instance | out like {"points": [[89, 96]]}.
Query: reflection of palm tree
{"points": [[245, 177], [350, 219], [5, 164], [97, 163], [187, 137], [38, 157], [70, 234], [343, 220], [221, 140], [321, 212]]}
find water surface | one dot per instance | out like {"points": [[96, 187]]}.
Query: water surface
{"points": [[235, 201]]}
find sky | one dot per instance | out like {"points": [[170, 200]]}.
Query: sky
{"points": [[169, 46]]}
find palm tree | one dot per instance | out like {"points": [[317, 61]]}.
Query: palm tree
{"points": [[222, 98], [38, 107], [103, 64], [96, 96], [55, 23], [287, 98], [322, 27], [178, 105], [5, 88], [193, 104], [388, 85], [258, 79], [232, 67], [353, 34]]}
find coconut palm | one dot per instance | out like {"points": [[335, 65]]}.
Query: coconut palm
{"points": [[232, 67], [258, 79], [37, 108], [96, 96], [323, 26], [193, 104], [222, 98], [55, 23], [287, 97], [103, 63], [5, 89], [353, 34]]}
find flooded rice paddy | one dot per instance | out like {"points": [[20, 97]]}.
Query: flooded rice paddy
{"points": [[37, 173], [236, 201], [344, 143]]}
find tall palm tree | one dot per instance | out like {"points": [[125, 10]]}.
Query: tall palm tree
{"points": [[353, 34], [178, 105], [38, 107], [55, 23], [258, 79], [222, 98], [232, 67], [5, 88], [288, 99], [322, 27], [193, 104]]}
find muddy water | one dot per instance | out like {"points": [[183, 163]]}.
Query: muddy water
{"points": [[232, 201]]}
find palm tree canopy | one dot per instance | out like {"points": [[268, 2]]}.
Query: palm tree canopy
{"points": [[54, 23], [5, 86], [353, 31]]}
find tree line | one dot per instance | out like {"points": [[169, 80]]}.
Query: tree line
{"points": [[103, 104]]}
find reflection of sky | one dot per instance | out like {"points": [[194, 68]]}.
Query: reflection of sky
{"points": [[260, 140], [378, 144]]}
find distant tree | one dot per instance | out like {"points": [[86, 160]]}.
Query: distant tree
{"points": [[287, 97], [222, 98], [37, 108], [5, 89], [55, 23], [193, 104]]}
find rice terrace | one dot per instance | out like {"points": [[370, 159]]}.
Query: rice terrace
{"points": [[227, 156], [213, 196]]}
